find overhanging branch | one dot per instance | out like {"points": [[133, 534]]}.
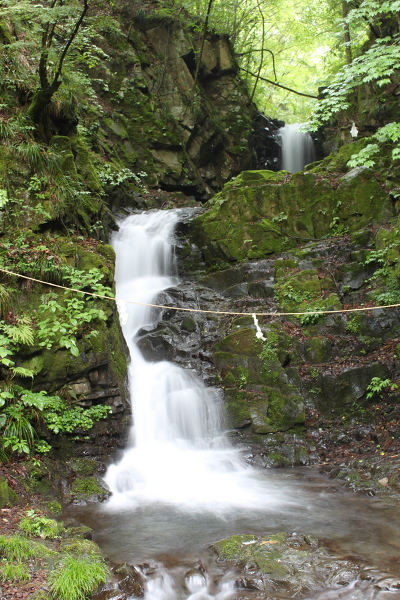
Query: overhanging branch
{"points": [[279, 85]]}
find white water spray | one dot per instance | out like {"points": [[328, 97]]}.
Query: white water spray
{"points": [[177, 453], [297, 148]]}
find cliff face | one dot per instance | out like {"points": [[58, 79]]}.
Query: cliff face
{"points": [[150, 118]]}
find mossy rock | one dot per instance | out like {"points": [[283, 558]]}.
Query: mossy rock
{"points": [[40, 595], [87, 489], [80, 532], [79, 547], [337, 161], [237, 408], [235, 547], [241, 342], [317, 350], [7, 496], [83, 466], [361, 199]]}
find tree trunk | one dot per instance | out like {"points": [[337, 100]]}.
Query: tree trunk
{"points": [[41, 100], [346, 34]]}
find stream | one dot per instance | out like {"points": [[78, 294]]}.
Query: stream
{"points": [[180, 486]]}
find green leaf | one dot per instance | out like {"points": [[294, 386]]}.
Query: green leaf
{"points": [[22, 372]]}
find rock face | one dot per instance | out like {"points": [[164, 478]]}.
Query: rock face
{"points": [[261, 212], [312, 377], [187, 133]]}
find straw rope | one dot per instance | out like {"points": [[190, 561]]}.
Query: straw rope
{"points": [[199, 310]]}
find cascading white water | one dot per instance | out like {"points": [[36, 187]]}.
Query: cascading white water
{"points": [[177, 453], [297, 148]]}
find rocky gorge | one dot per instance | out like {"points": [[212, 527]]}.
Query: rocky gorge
{"points": [[255, 246]]}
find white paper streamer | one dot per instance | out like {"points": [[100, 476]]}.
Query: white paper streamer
{"points": [[123, 313], [354, 130], [259, 333]]}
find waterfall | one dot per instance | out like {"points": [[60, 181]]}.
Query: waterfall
{"points": [[177, 453], [297, 148]]}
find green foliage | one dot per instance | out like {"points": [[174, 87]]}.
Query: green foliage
{"points": [[269, 353], [286, 293], [21, 407], [378, 385], [353, 325], [376, 64], [17, 548], [364, 157], [392, 293], [110, 175], [389, 133], [338, 228], [76, 579], [40, 526], [60, 322], [14, 572], [311, 317]]}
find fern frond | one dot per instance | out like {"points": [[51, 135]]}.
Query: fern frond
{"points": [[22, 372], [21, 333], [4, 300]]}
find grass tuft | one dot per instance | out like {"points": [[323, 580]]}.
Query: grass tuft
{"points": [[17, 548], [76, 579], [14, 572]]}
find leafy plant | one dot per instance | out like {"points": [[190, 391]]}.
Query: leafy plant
{"points": [[243, 377], [269, 350], [40, 526], [378, 385], [337, 228], [353, 325], [109, 174], [365, 158], [311, 317]]}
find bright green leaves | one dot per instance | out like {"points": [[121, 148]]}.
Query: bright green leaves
{"points": [[390, 133], [364, 157], [60, 321], [24, 406], [378, 385], [377, 64]]}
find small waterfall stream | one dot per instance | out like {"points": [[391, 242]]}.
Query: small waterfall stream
{"points": [[297, 148], [177, 453]]}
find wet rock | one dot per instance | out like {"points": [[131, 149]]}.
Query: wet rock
{"points": [[88, 490], [131, 581], [289, 564]]}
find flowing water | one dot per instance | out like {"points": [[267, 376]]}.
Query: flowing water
{"points": [[177, 454], [297, 148], [180, 486]]}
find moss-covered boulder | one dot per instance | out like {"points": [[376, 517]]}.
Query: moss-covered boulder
{"points": [[262, 212], [257, 390], [7, 495]]}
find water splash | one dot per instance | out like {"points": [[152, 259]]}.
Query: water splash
{"points": [[177, 452], [297, 148]]}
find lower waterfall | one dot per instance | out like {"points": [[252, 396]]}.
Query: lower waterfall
{"points": [[177, 452], [297, 148]]}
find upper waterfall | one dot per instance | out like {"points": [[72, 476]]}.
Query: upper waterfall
{"points": [[297, 147]]}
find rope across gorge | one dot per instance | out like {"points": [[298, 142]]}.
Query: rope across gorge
{"points": [[121, 301]]}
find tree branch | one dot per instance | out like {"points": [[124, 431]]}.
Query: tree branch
{"points": [[261, 50], [279, 85], [67, 45], [196, 76]]}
